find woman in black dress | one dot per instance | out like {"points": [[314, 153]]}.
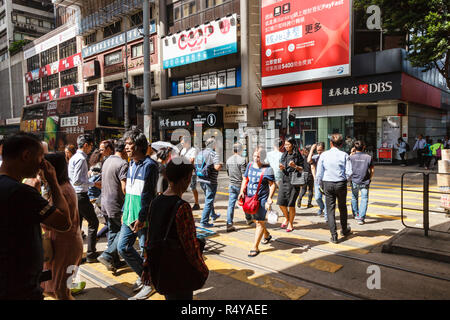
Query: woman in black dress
{"points": [[291, 161]]}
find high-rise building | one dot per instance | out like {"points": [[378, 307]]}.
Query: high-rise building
{"points": [[20, 22]]}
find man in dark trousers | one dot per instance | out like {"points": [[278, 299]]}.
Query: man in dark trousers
{"points": [[22, 210], [334, 169], [78, 174]]}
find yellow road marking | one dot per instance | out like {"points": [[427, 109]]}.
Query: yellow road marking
{"points": [[324, 265]]}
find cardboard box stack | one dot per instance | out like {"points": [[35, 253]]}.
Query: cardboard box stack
{"points": [[443, 180]]}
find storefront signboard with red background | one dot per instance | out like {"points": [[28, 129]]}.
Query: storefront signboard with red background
{"points": [[301, 95], [55, 67], [304, 40], [63, 92]]}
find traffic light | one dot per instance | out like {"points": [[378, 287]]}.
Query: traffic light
{"points": [[283, 118], [401, 109], [117, 101], [132, 100], [265, 115], [291, 120]]}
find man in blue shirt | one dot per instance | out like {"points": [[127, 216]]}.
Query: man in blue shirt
{"points": [[333, 170], [363, 169], [78, 174]]}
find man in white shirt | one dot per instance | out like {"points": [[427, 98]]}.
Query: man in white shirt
{"points": [[190, 152], [419, 147]]}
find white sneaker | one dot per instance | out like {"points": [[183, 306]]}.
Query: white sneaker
{"points": [[137, 285], [144, 294]]}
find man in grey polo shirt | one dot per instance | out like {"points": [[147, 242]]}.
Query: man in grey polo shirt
{"points": [[114, 177], [236, 166], [362, 173]]}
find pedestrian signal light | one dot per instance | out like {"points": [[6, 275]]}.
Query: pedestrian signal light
{"points": [[291, 120]]}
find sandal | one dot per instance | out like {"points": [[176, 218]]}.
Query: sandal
{"points": [[283, 225], [267, 240], [253, 253]]}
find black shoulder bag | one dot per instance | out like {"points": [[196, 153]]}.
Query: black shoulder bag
{"points": [[170, 270]]}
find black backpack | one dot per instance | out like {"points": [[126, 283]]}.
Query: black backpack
{"points": [[170, 270], [407, 147]]}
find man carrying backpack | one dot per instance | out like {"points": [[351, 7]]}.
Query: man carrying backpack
{"points": [[207, 166]]}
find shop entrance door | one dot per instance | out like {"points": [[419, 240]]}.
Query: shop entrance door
{"points": [[309, 137]]}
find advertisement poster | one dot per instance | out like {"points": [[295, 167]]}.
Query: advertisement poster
{"points": [[231, 78], [213, 81], [205, 80], [195, 83], [304, 40], [207, 41], [221, 79], [181, 87], [188, 85]]}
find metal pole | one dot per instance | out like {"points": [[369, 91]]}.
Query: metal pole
{"points": [[287, 121], [426, 195], [126, 113], [147, 79]]}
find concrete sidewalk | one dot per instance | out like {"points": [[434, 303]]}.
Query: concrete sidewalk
{"points": [[413, 242]]}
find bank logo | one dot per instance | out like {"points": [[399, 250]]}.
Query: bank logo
{"points": [[211, 119], [363, 88]]}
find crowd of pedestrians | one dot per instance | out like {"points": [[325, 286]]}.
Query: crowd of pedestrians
{"points": [[137, 193]]}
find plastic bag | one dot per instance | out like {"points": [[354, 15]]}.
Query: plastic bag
{"points": [[272, 216]]}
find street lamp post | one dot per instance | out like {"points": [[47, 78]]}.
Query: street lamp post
{"points": [[147, 84]]}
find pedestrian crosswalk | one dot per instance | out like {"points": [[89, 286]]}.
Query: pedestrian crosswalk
{"points": [[307, 248]]}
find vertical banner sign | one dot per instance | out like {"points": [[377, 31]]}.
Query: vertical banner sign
{"points": [[304, 40]]}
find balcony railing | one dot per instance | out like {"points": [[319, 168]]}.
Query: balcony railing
{"points": [[109, 14]]}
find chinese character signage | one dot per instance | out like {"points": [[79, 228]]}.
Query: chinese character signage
{"points": [[55, 67], [116, 41], [215, 39], [63, 92], [234, 114], [174, 122], [367, 89], [304, 40]]}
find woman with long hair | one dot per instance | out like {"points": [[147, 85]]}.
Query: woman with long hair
{"points": [[290, 163], [67, 246]]}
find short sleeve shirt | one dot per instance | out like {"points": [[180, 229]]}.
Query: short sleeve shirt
{"points": [[211, 159], [254, 175], [361, 163], [273, 158], [22, 209], [114, 171]]}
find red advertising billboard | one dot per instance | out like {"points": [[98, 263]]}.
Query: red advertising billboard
{"points": [[304, 40]]}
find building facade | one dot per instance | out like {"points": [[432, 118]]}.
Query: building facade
{"points": [[381, 98], [20, 22]]}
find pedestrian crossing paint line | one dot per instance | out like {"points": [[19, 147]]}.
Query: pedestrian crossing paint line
{"points": [[329, 245], [326, 266], [257, 279]]}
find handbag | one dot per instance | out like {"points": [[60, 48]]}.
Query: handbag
{"points": [[47, 246], [299, 178], [170, 270], [251, 204]]}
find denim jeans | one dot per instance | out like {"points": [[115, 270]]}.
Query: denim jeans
{"points": [[319, 197], [111, 254], [210, 194], [360, 213], [125, 245], [234, 193]]}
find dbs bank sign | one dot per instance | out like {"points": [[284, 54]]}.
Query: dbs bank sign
{"points": [[211, 40], [348, 90]]}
